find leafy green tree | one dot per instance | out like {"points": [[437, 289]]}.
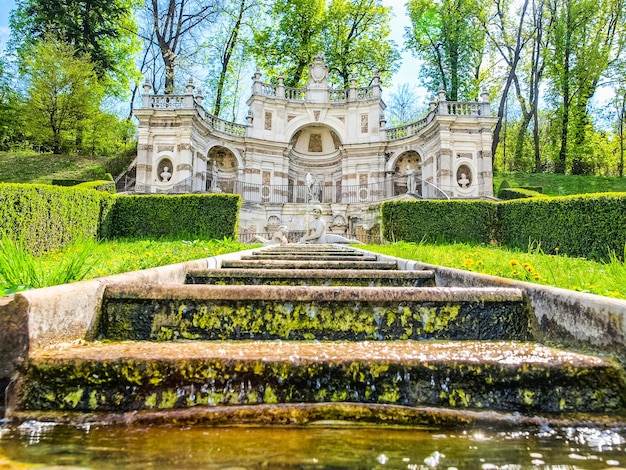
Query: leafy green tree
{"points": [[352, 35], [583, 43], [355, 40], [103, 29], [291, 39], [63, 93], [448, 37], [10, 109], [229, 44]]}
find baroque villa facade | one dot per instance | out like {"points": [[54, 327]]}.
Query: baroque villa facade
{"points": [[313, 145]]}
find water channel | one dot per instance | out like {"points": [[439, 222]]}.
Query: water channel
{"points": [[42, 445]]}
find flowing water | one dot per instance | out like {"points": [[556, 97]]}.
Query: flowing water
{"points": [[40, 445]]}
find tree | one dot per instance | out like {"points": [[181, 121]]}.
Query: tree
{"points": [[105, 30], [510, 48], [236, 16], [583, 43], [63, 92], [448, 37], [174, 26], [355, 39], [350, 34], [403, 106], [10, 109], [288, 44]]}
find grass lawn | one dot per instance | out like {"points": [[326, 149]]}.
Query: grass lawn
{"points": [[89, 260], [32, 167], [561, 185], [607, 279], [106, 258]]}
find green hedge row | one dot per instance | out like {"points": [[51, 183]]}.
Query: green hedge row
{"points": [[463, 221], [590, 226], [107, 186], [182, 215], [46, 217]]}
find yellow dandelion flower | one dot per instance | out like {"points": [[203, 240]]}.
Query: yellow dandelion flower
{"points": [[468, 262], [536, 276], [479, 263], [514, 262]]}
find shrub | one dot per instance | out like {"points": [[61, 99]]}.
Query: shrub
{"points": [[589, 225], [452, 221], [107, 186], [46, 217], [173, 216]]}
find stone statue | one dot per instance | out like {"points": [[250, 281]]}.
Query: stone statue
{"points": [[165, 174], [410, 179], [313, 188], [463, 181], [214, 187], [279, 237], [316, 233]]}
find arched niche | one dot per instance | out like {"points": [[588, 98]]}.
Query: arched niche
{"points": [[407, 173], [222, 169]]}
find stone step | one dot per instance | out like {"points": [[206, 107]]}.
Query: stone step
{"points": [[312, 277], [310, 256], [203, 312], [308, 264], [134, 376]]}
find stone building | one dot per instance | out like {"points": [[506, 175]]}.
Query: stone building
{"points": [[313, 145]]}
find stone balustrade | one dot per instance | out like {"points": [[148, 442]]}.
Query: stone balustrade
{"points": [[442, 108]]}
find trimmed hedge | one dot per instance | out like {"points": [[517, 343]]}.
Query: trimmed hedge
{"points": [[107, 186], [436, 220], [181, 215], [589, 225], [46, 217]]}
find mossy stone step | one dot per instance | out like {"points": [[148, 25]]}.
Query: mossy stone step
{"points": [[308, 264], [312, 277], [203, 312], [311, 256], [504, 376]]}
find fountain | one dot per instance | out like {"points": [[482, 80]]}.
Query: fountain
{"points": [[326, 336]]}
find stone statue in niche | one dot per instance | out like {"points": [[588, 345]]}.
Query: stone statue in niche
{"points": [[314, 188], [165, 174], [214, 187], [410, 179], [464, 181], [316, 233], [279, 237]]}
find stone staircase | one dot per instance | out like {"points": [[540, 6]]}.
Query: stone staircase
{"points": [[294, 333]]}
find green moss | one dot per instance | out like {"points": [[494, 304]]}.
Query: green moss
{"points": [[93, 400], [527, 397], [73, 398], [269, 397], [151, 401], [459, 398], [339, 395], [439, 319], [390, 394], [168, 399]]}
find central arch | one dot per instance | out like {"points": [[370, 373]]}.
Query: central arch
{"points": [[315, 164]]}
